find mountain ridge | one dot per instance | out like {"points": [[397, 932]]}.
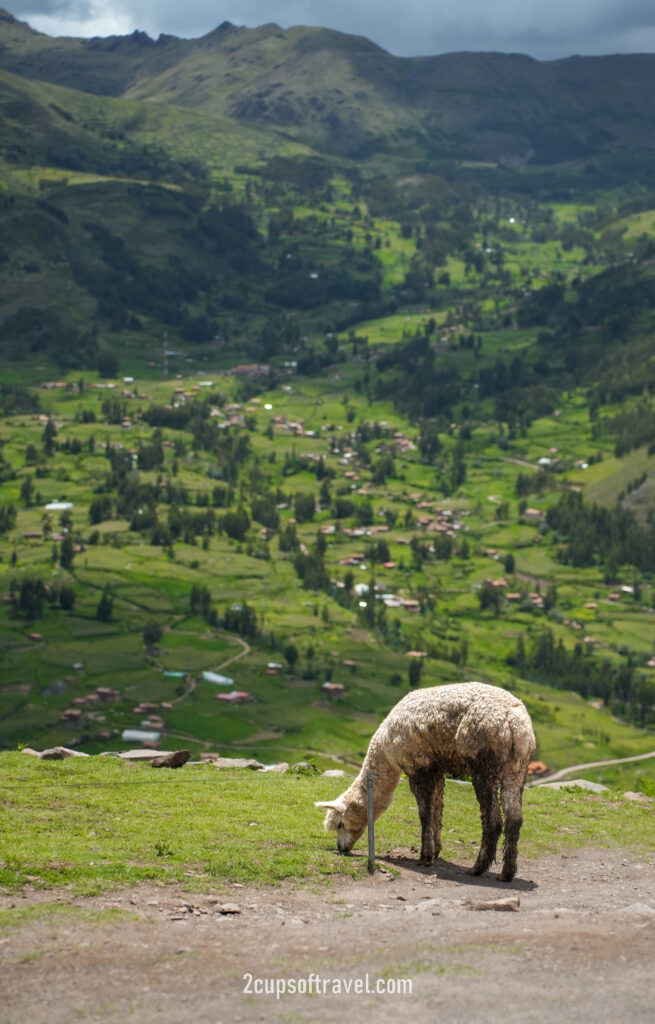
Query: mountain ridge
{"points": [[347, 95]]}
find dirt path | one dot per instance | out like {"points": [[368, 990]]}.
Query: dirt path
{"points": [[591, 764], [193, 682], [579, 949]]}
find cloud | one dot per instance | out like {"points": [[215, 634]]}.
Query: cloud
{"points": [[556, 29]]}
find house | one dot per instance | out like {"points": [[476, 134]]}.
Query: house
{"points": [[217, 679], [334, 691], [140, 736], [145, 708], [235, 696], [71, 715]]}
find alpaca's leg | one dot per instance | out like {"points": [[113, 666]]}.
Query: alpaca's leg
{"points": [[437, 812], [422, 785], [511, 793], [486, 790]]}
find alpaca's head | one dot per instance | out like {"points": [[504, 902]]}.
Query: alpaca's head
{"points": [[347, 819]]}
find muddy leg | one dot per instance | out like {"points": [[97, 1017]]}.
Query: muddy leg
{"points": [[422, 785], [437, 812], [511, 792], [486, 790]]}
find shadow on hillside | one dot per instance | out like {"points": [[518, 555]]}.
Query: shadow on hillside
{"points": [[450, 872]]}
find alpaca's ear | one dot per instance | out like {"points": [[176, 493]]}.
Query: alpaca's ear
{"points": [[331, 805]]}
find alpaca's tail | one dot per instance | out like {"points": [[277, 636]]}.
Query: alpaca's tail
{"points": [[523, 739]]}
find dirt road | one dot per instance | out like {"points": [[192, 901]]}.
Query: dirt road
{"points": [[580, 948]]}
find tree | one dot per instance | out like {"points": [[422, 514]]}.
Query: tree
{"points": [[291, 655], [105, 607], [67, 598], [66, 552], [107, 361], [27, 491], [48, 438], [304, 507], [490, 597], [28, 598], [415, 670], [429, 443], [152, 633], [236, 524], [200, 601]]}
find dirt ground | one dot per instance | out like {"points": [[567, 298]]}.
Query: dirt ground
{"points": [[579, 948]]}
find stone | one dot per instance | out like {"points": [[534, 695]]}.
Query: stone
{"points": [[507, 903], [237, 762], [228, 908], [593, 787], [334, 773], [278, 769], [174, 760], [640, 798], [30, 750], [60, 753], [137, 755], [428, 904]]}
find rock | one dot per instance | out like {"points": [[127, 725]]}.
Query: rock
{"points": [[30, 750], [59, 753], [428, 904], [137, 755], [640, 798], [507, 903], [228, 908], [174, 760], [334, 773], [237, 762], [593, 787], [278, 769]]}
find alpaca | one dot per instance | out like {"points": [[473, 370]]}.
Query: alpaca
{"points": [[463, 729]]}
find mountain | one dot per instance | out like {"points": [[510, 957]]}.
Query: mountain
{"points": [[345, 95]]}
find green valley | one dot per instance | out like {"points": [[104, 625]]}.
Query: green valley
{"points": [[331, 406]]}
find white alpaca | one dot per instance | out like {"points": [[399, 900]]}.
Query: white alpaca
{"points": [[462, 729]]}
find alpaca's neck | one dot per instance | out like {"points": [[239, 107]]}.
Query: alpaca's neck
{"points": [[385, 780]]}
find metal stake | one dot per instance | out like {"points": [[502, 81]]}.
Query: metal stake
{"points": [[371, 823]]}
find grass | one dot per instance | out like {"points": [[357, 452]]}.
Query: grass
{"points": [[289, 717], [97, 824]]}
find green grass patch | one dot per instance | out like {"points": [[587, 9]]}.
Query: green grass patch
{"points": [[97, 824]]}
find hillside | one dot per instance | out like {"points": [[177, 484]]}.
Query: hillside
{"points": [[377, 422], [342, 94]]}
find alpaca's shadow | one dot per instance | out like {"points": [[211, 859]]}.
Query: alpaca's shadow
{"points": [[449, 872]]}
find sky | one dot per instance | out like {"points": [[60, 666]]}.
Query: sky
{"points": [[558, 28]]}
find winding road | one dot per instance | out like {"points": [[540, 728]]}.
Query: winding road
{"points": [[556, 776]]}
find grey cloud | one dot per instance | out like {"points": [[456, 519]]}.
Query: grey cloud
{"points": [[546, 31]]}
